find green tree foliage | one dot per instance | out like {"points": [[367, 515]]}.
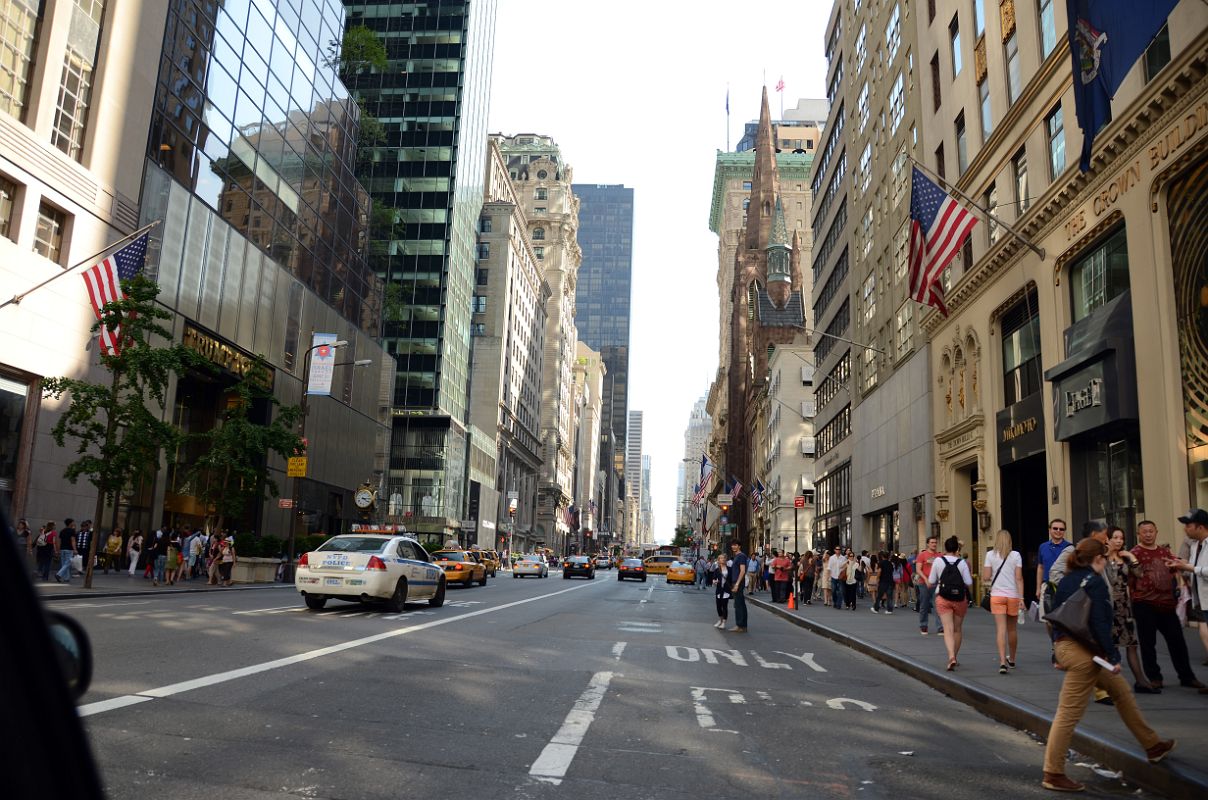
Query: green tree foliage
{"points": [[683, 536], [361, 50], [118, 426], [230, 472]]}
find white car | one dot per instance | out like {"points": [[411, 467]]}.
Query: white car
{"points": [[530, 565], [603, 562], [365, 567]]}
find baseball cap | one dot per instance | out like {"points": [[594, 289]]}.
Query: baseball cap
{"points": [[1197, 516]]}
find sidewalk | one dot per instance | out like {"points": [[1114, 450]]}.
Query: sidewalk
{"points": [[120, 584], [1027, 697]]}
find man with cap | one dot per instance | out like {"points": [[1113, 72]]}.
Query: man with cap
{"points": [[1195, 525], [1154, 604]]}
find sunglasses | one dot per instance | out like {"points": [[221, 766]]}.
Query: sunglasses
{"points": [[1055, 528]]}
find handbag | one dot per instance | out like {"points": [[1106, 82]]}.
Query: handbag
{"points": [[985, 601], [1073, 618]]}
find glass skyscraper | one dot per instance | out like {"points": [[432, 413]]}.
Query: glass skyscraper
{"points": [[425, 178], [602, 300]]}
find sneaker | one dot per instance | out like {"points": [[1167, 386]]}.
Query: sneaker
{"points": [[1159, 751], [1002, 669], [889, 612], [940, 631], [923, 629], [738, 630], [1058, 782], [1011, 663], [873, 610]]}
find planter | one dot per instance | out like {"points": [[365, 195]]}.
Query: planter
{"points": [[255, 570]]}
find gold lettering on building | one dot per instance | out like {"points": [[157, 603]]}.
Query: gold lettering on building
{"points": [[1126, 179], [1178, 134], [1019, 429], [227, 356]]}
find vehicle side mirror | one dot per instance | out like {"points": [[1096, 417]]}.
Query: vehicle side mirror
{"points": [[73, 650]]}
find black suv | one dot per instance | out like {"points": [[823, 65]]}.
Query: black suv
{"points": [[578, 565]]}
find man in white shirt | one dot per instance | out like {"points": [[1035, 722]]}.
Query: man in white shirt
{"points": [[835, 567], [1195, 525]]}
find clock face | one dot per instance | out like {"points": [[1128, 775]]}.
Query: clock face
{"points": [[363, 498]]}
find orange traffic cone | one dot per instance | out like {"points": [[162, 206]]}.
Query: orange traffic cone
{"points": [[792, 600]]}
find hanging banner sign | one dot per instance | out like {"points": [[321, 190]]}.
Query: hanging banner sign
{"points": [[322, 364]]}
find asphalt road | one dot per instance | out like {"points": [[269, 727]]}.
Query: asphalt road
{"points": [[520, 689]]}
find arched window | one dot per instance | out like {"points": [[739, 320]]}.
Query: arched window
{"points": [[538, 234]]}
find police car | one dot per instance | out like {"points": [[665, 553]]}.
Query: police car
{"points": [[365, 567]]}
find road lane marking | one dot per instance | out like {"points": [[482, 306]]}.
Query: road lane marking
{"points": [[649, 592], [106, 605], [255, 669], [704, 717], [804, 658], [268, 610], [837, 703], [555, 759], [617, 649]]}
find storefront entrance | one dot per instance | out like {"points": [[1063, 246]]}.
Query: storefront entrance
{"points": [[1025, 511]]}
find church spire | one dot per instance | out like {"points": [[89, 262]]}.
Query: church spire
{"points": [[765, 181]]}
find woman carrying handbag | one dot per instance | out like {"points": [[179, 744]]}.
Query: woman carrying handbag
{"points": [[1004, 596], [1082, 630]]}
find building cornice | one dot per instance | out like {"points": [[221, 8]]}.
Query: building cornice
{"points": [[730, 166]]}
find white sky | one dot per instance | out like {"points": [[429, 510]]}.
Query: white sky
{"points": [[634, 93]]}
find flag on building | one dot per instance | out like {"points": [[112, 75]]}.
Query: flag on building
{"points": [[757, 494], [938, 227], [1106, 39], [706, 476], [780, 85], [104, 284], [735, 487]]}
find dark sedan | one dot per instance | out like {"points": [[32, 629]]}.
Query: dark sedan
{"points": [[578, 565], [632, 568]]}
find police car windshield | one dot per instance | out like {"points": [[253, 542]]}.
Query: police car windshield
{"points": [[355, 544]]}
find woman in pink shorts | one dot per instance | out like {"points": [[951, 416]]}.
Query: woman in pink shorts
{"points": [[1003, 572], [951, 610]]}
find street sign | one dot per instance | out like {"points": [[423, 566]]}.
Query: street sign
{"points": [[724, 520], [285, 502], [297, 467], [799, 501], [513, 494], [725, 499]]}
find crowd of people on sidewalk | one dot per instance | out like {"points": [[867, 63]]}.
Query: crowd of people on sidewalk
{"points": [[166, 556]]}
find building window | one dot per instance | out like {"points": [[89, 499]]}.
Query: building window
{"points": [[478, 303], [869, 358], [1157, 55], [862, 106], [480, 276], [1021, 350], [991, 202], [538, 234], [939, 161], [869, 299], [900, 176], [893, 32], [484, 250], [72, 110], [1014, 76], [8, 197], [983, 98], [539, 252], [897, 104], [18, 35], [1019, 169], [746, 187], [901, 258], [48, 236], [539, 210], [902, 321], [962, 145], [954, 40], [541, 194], [866, 167], [979, 18], [478, 329], [937, 95], [1055, 130], [1048, 28], [1100, 275], [861, 50], [484, 225]]}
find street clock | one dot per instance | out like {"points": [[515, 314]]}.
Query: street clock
{"points": [[364, 497]]}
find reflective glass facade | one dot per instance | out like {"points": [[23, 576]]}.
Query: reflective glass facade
{"points": [[602, 302], [253, 121]]}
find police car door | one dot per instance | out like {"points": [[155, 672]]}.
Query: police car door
{"points": [[422, 577]]}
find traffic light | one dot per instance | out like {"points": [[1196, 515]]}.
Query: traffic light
{"points": [[725, 508]]}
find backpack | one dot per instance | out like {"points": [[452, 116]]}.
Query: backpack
{"points": [[897, 574], [41, 541], [951, 584]]}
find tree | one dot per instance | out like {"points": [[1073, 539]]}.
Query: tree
{"points": [[361, 49], [118, 435], [230, 472], [683, 536]]}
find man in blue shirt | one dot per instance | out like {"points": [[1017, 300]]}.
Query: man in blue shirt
{"points": [[1048, 554], [736, 576]]}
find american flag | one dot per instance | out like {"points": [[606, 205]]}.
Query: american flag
{"points": [[780, 85], [736, 487], [757, 493], [938, 227], [706, 476], [104, 286]]}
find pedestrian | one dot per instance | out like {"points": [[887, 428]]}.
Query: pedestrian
{"points": [[134, 550], [851, 580], [1082, 674], [925, 587], [113, 550], [172, 562], [754, 573], [710, 571], [65, 543], [862, 573], [901, 580], [1121, 565], [721, 592], [837, 562], [213, 559], [227, 558], [885, 584], [781, 577], [1046, 555], [159, 550], [806, 572], [1195, 567], [44, 549], [826, 577], [699, 569], [84, 545], [950, 582], [25, 542], [735, 578], [1154, 601], [765, 572], [1004, 570]]}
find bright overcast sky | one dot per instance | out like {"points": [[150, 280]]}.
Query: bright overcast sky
{"points": [[634, 93]]}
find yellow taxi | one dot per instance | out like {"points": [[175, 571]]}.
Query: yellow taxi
{"points": [[489, 559], [460, 566], [681, 572], [658, 565]]}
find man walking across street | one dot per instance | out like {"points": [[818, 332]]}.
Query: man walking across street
{"points": [[925, 591], [1195, 525], [1154, 607], [738, 571], [698, 569], [65, 548]]}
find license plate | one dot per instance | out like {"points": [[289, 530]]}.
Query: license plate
{"points": [[334, 582]]}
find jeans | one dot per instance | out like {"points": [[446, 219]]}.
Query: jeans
{"points": [[1082, 675], [161, 563], [1150, 622], [700, 580], [837, 592], [65, 564], [926, 605], [44, 556], [740, 609], [884, 596], [849, 594]]}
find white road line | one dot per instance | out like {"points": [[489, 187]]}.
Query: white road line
{"points": [[617, 649], [105, 605], [254, 669], [267, 610], [649, 592], [555, 759]]}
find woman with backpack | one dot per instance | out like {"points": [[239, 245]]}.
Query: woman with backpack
{"points": [[950, 575], [44, 549], [1004, 571]]}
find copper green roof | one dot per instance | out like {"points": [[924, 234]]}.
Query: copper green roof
{"points": [[741, 166]]}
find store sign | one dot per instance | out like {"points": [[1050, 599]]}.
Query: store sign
{"points": [[224, 355], [322, 364], [877, 491], [1020, 429], [1088, 396]]}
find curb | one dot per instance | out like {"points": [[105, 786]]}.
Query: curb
{"points": [[1170, 779], [88, 595]]}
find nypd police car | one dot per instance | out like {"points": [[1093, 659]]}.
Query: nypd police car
{"points": [[366, 567]]}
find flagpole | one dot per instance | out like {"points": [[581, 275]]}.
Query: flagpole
{"points": [[17, 298], [1026, 243]]}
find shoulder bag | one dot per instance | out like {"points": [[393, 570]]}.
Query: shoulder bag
{"points": [[1073, 618], [985, 601]]}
